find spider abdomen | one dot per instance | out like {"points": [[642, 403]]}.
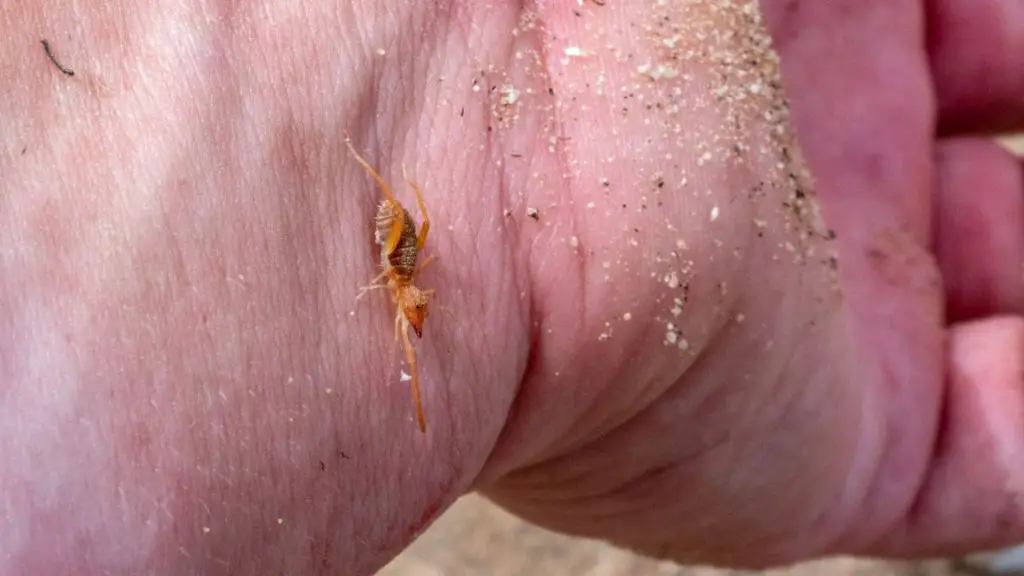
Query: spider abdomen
{"points": [[402, 257]]}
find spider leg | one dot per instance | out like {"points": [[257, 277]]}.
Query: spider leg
{"points": [[444, 309], [380, 181], [363, 290], [410, 358], [423, 264], [373, 285], [421, 240]]}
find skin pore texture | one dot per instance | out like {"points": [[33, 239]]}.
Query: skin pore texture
{"points": [[651, 324]]}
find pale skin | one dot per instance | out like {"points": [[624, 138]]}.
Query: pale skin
{"points": [[187, 384]]}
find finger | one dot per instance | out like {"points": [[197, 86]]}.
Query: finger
{"points": [[979, 228], [864, 117], [973, 495], [977, 54]]}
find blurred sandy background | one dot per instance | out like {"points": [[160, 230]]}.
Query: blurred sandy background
{"points": [[475, 537]]}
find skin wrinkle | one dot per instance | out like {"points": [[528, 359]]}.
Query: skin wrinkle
{"points": [[938, 443], [562, 165], [533, 264], [542, 481], [633, 498], [823, 524], [541, 478], [517, 287]]}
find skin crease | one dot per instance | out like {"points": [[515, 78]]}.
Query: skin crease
{"points": [[187, 385]]}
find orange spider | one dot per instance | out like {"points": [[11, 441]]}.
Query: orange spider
{"points": [[400, 246]]}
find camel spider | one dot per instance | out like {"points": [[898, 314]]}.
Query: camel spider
{"points": [[400, 246]]}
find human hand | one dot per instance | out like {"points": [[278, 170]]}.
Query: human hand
{"points": [[186, 389]]}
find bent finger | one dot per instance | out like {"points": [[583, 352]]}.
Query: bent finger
{"points": [[977, 54], [979, 228], [973, 496]]}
